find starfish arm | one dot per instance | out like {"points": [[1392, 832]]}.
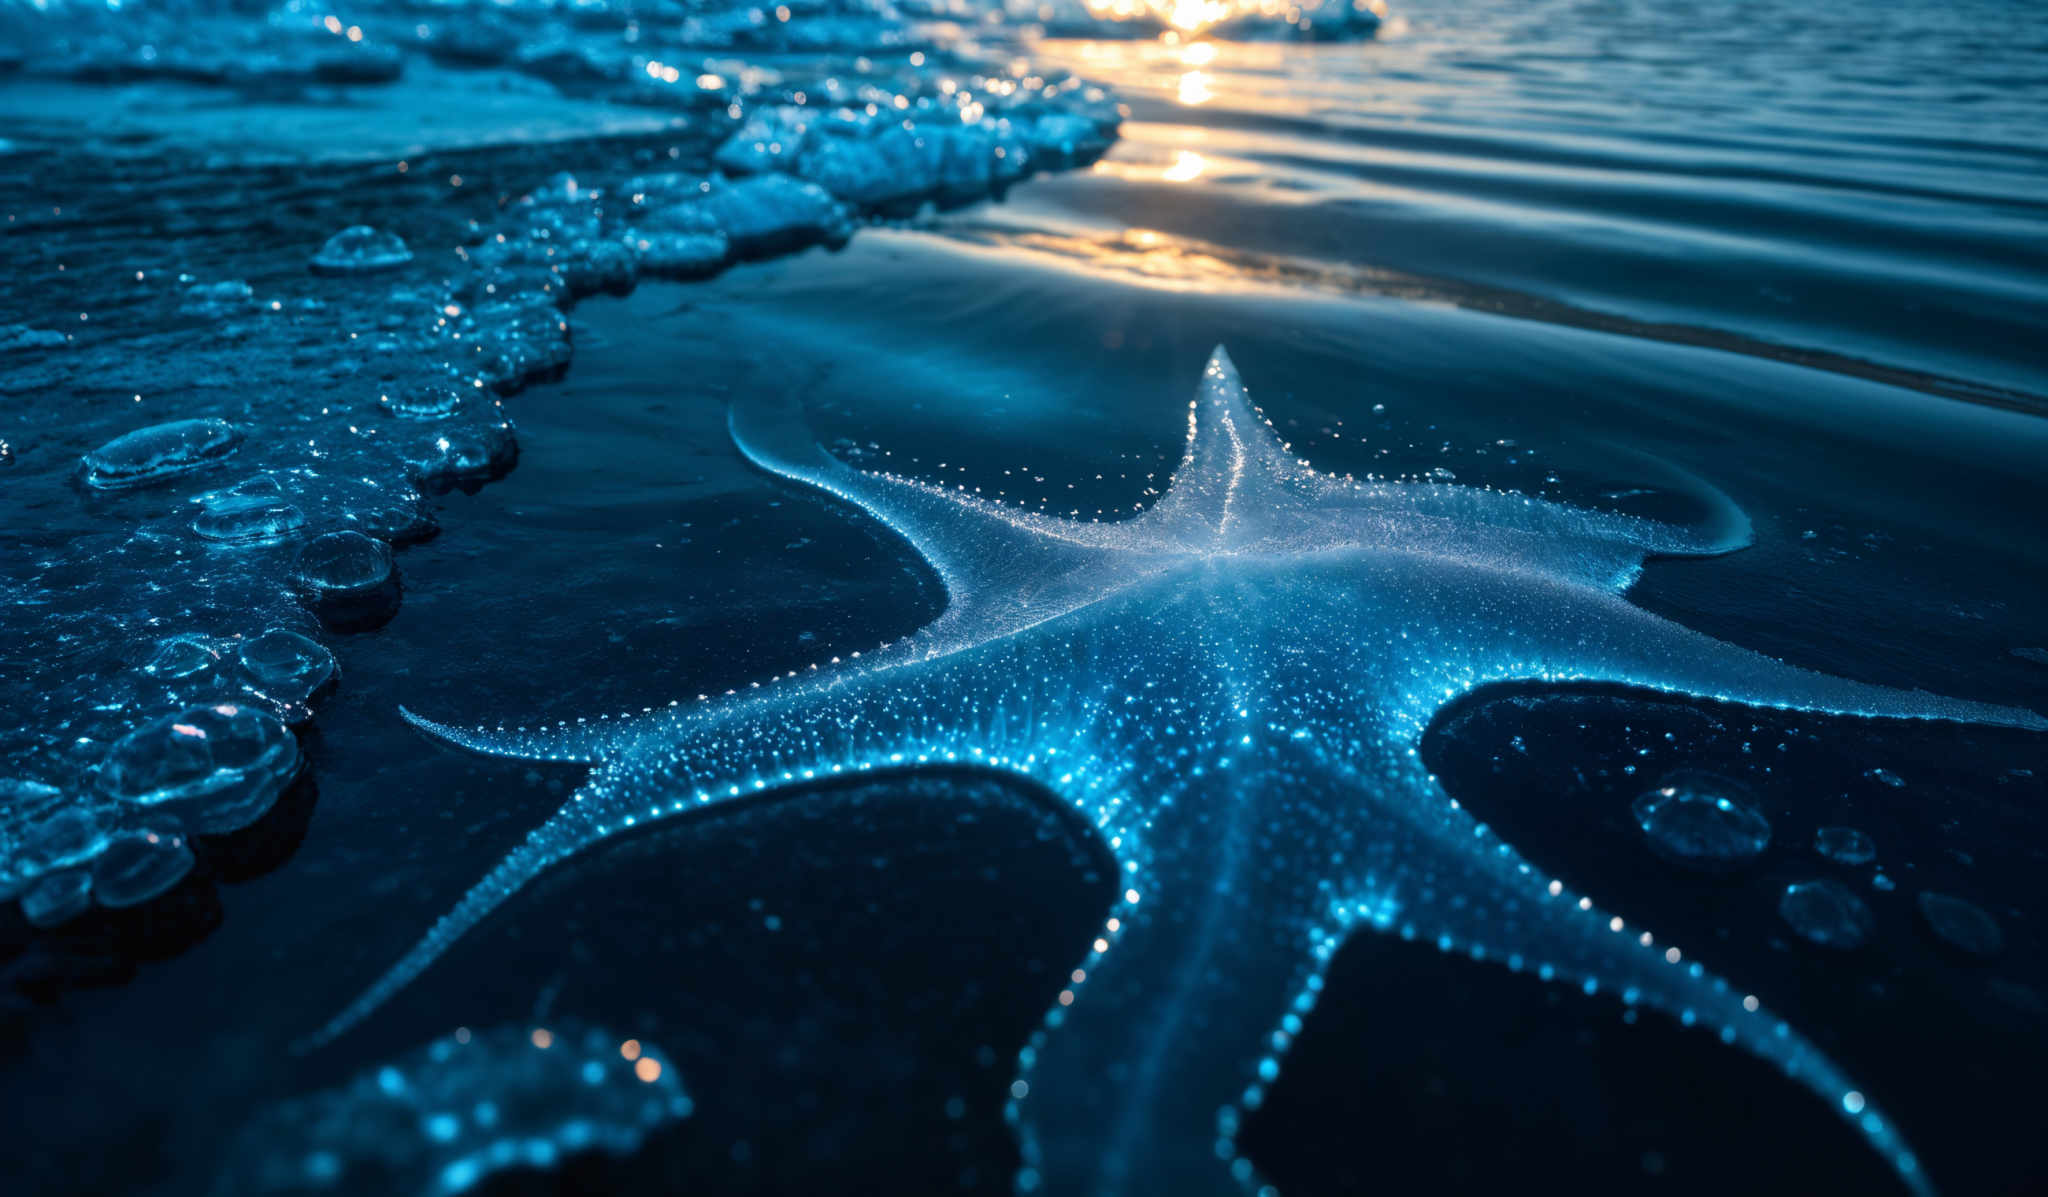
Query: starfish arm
{"points": [[1003, 706], [1002, 568], [1453, 883], [1487, 627], [1624, 644], [1175, 1020]]}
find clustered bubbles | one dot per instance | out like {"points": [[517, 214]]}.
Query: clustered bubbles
{"points": [[444, 1117], [205, 769], [257, 525]]}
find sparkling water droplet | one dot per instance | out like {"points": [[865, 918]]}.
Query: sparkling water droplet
{"points": [[360, 249], [217, 766], [1844, 845], [1962, 924], [160, 451], [1702, 821], [1826, 913]]}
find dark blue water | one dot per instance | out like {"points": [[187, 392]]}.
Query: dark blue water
{"points": [[1576, 250]]}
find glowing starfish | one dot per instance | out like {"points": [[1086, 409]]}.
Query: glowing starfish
{"points": [[1231, 687]]}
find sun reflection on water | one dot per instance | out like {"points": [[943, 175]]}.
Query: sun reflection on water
{"points": [[1193, 16], [1187, 167]]}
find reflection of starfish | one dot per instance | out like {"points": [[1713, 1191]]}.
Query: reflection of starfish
{"points": [[1232, 687]]}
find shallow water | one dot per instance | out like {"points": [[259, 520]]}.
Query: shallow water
{"points": [[1592, 252]]}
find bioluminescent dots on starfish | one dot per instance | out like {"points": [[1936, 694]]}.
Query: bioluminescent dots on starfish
{"points": [[1232, 687]]}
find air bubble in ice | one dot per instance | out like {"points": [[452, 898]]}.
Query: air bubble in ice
{"points": [[287, 668], [180, 657], [346, 577], [360, 249], [461, 454], [254, 511], [160, 451], [218, 766], [139, 863], [343, 565]]}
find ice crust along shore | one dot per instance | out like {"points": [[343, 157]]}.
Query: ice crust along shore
{"points": [[203, 591]]}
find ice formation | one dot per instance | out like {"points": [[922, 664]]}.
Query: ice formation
{"points": [[263, 515], [1232, 687]]}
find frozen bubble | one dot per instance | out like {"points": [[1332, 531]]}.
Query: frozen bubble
{"points": [[456, 455], [1844, 845], [347, 578], [254, 511], [181, 657], [140, 863], [42, 831], [400, 520], [360, 249], [1702, 821], [218, 766], [286, 668], [64, 837], [1962, 924], [57, 898], [159, 451], [1826, 913], [343, 564], [422, 401]]}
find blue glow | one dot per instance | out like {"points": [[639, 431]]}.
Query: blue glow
{"points": [[1232, 687]]}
